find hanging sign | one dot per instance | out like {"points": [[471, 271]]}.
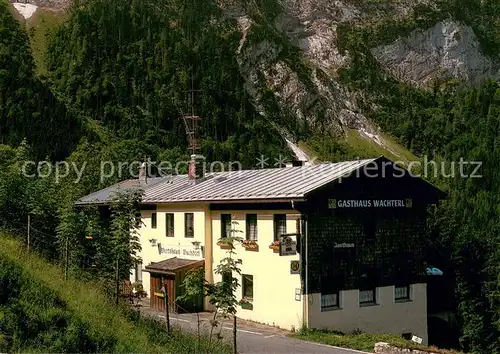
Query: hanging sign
{"points": [[294, 267], [369, 203], [288, 246]]}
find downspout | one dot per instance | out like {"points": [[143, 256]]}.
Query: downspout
{"points": [[306, 290], [305, 297]]}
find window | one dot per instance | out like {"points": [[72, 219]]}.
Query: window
{"points": [[367, 297], [225, 225], [169, 225], [402, 293], [188, 225], [247, 286], [279, 225], [370, 229], [153, 220], [329, 301], [138, 272], [252, 227]]}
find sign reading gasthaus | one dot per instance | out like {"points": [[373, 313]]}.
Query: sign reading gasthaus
{"points": [[369, 203]]}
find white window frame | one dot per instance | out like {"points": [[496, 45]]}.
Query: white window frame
{"points": [[167, 229], [249, 231], [154, 216], [366, 303], [324, 298], [138, 273], [403, 299]]}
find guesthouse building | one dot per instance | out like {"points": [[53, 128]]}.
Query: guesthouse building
{"points": [[332, 246]]}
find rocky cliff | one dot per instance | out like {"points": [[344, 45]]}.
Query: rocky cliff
{"points": [[290, 57]]}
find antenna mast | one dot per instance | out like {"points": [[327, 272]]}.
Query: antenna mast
{"points": [[191, 124]]}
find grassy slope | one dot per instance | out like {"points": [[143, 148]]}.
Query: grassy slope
{"points": [[40, 26], [360, 146], [87, 302]]}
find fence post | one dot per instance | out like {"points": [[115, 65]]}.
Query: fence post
{"points": [[166, 308]]}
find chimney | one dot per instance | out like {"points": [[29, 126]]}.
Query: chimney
{"points": [[143, 173], [196, 170]]}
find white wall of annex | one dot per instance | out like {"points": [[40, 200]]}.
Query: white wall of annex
{"points": [[387, 316]]}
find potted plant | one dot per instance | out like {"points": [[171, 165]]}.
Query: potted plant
{"points": [[246, 304], [250, 245], [275, 246], [224, 245]]}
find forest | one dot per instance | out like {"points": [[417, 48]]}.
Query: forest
{"points": [[121, 73]]}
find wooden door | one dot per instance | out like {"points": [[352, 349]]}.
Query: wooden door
{"points": [[157, 282]]}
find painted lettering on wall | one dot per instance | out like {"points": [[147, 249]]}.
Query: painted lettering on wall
{"points": [[369, 203], [344, 245], [179, 251]]}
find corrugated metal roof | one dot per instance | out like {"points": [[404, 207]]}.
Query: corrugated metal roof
{"points": [[261, 184]]}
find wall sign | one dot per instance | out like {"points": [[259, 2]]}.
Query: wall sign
{"points": [[344, 245], [179, 251], [369, 203], [298, 295], [294, 267], [288, 246]]}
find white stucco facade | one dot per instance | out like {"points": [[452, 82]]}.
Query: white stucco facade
{"points": [[275, 300], [176, 246]]}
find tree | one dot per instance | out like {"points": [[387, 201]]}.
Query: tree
{"points": [[223, 294], [125, 222]]}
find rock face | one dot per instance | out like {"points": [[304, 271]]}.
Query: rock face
{"points": [[317, 21], [309, 25], [51, 4], [446, 51], [306, 87]]}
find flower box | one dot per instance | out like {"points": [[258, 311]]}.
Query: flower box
{"points": [[250, 245], [275, 246], [225, 246], [246, 304]]}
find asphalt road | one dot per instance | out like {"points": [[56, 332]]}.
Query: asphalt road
{"points": [[255, 338]]}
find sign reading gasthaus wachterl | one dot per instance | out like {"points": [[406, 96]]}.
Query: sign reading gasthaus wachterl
{"points": [[369, 203]]}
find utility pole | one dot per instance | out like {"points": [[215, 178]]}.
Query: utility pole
{"points": [[167, 316], [117, 282], [29, 224], [66, 261], [235, 350]]}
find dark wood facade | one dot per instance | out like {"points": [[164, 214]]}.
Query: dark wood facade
{"points": [[366, 231]]}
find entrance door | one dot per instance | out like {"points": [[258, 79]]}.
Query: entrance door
{"points": [[157, 282]]}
